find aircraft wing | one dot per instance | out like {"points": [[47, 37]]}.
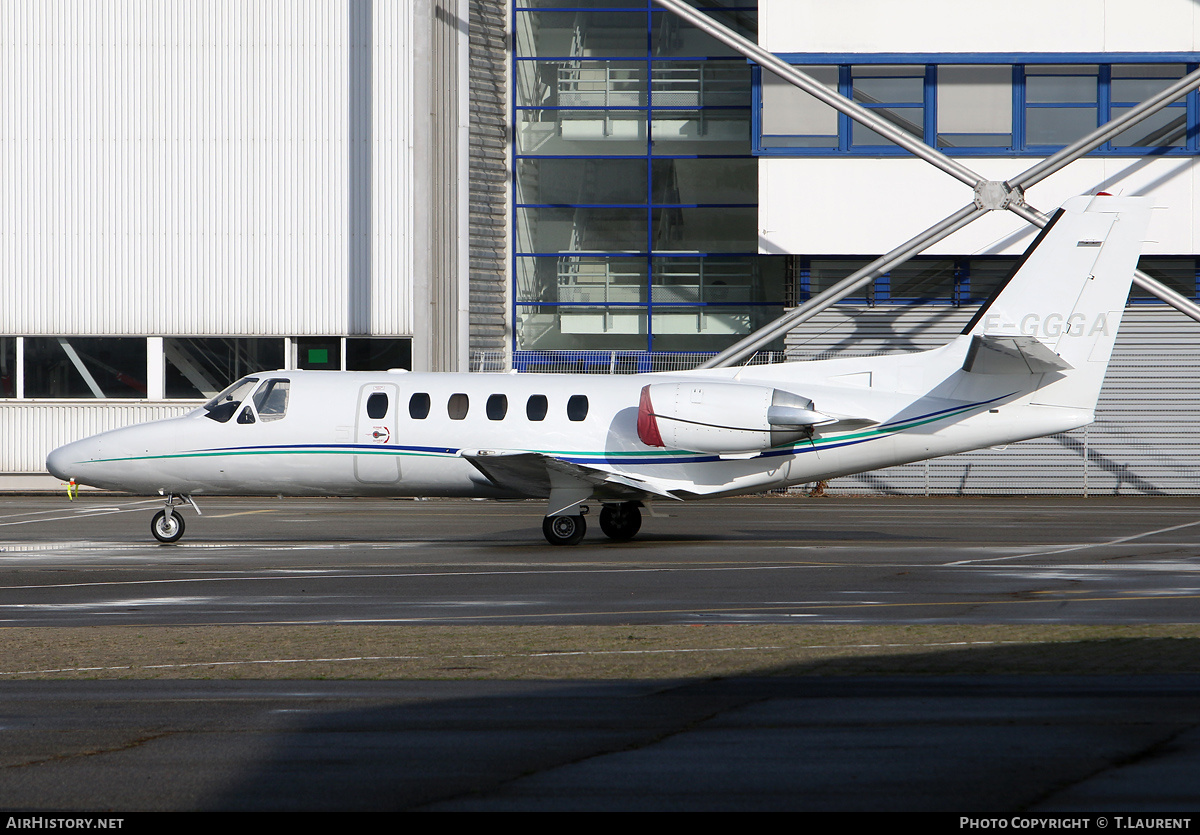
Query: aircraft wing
{"points": [[567, 483]]}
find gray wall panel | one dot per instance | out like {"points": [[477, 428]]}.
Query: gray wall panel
{"points": [[1145, 441]]}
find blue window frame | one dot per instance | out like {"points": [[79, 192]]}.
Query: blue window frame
{"points": [[635, 190], [978, 104], [930, 280]]}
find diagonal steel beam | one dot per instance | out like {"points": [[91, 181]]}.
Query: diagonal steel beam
{"points": [[744, 348], [989, 195]]}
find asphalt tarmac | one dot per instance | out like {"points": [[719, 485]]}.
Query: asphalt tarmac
{"points": [[784, 560], [968, 656]]}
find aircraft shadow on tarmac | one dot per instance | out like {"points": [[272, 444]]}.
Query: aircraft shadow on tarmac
{"points": [[966, 734], [951, 730]]}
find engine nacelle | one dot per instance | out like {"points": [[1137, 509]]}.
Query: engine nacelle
{"points": [[723, 417]]}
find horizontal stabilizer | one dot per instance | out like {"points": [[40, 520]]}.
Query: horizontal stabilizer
{"points": [[990, 354]]}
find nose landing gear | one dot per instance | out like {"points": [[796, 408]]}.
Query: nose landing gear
{"points": [[167, 528], [167, 525]]}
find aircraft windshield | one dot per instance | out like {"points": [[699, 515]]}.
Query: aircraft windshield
{"points": [[222, 407]]}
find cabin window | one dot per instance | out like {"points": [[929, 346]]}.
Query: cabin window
{"points": [[458, 406], [271, 399], [497, 407], [535, 407], [222, 407], [418, 406], [577, 407], [377, 406]]}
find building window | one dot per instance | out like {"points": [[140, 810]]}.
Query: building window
{"points": [[8, 366], [201, 367], [85, 367], [895, 93], [974, 106], [981, 106]]}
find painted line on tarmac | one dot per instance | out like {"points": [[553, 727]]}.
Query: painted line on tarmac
{"points": [[1118, 541], [71, 514]]}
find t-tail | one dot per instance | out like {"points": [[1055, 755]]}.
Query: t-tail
{"points": [[1058, 313]]}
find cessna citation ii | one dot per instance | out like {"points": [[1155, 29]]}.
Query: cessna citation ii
{"points": [[1030, 363]]}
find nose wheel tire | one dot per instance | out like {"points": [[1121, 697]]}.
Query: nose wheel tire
{"points": [[564, 530], [167, 529], [620, 521]]}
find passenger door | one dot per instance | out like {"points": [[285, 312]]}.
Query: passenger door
{"points": [[377, 460]]}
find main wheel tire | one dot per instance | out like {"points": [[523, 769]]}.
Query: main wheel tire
{"points": [[167, 529], [564, 530], [621, 521]]}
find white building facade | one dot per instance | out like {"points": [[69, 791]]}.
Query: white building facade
{"points": [[194, 190], [1000, 86]]}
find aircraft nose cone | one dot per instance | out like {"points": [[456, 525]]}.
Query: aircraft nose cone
{"points": [[62, 461], [56, 463]]}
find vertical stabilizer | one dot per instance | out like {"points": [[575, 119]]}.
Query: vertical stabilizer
{"points": [[1069, 291]]}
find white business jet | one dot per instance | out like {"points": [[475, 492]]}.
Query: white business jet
{"points": [[1030, 363]]}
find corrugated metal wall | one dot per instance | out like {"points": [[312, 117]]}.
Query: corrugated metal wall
{"points": [[489, 176], [1145, 441], [186, 168], [45, 426]]}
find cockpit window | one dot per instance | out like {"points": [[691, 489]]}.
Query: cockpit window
{"points": [[271, 399], [222, 407]]}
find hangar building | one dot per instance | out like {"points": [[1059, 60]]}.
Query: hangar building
{"points": [[197, 189]]}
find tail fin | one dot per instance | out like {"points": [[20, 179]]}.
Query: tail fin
{"points": [[1068, 293]]}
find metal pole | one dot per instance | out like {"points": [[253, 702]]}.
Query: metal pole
{"points": [[845, 287], [1164, 293]]}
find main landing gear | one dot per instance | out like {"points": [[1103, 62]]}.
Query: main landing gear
{"points": [[620, 522], [564, 530], [167, 525]]}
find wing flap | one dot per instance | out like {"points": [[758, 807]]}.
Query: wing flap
{"points": [[567, 484]]}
